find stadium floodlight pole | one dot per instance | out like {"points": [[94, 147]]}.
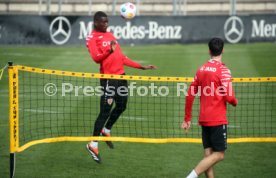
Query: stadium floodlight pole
{"points": [[178, 7], [49, 6], [12, 100], [174, 6], [233, 7], [59, 7], [90, 7], [178, 10], [185, 7], [39, 7], [181, 2], [138, 7], [114, 7]]}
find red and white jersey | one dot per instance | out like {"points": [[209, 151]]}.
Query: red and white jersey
{"points": [[98, 44], [212, 83]]}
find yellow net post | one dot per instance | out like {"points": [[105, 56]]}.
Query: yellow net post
{"points": [[13, 115]]}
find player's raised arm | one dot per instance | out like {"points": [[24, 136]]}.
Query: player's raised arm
{"points": [[148, 67], [130, 63]]}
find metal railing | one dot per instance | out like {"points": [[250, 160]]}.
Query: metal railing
{"points": [[144, 7]]}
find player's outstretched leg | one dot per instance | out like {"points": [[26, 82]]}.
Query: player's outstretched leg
{"points": [[121, 103], [94, 152], [106, 132]]}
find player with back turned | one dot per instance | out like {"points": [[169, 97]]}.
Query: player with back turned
{"points": [[213, 83], [106, 51]]}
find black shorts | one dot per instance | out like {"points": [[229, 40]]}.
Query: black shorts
{"points": [[113, 88], [215, 137]]}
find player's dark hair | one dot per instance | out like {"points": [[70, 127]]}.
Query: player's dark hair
{"points": [[216, 46], [98, 15]]}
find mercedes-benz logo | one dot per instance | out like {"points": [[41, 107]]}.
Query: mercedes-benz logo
{"points": [[233, 29], [60, 30]]}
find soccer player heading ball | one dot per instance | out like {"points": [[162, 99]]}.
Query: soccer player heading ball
{"points": [[106, 51], [215, 77]]}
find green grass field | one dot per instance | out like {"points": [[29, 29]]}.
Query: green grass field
{"points": [[70, 159]]}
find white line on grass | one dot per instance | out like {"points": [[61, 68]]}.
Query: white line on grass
{"points": [[133, 118], [40, 111], [233, 126]]}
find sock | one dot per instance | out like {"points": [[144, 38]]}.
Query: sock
{"points": [[94, 144], [193, 174], [107, 130]]}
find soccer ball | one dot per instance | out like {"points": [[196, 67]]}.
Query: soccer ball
{"points": [[128, 10]]}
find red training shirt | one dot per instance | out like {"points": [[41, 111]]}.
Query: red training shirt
{"points": [[98, 44], [213, 83]]}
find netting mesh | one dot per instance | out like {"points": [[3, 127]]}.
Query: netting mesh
{"points": [[255, 115], [56, 105]]}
